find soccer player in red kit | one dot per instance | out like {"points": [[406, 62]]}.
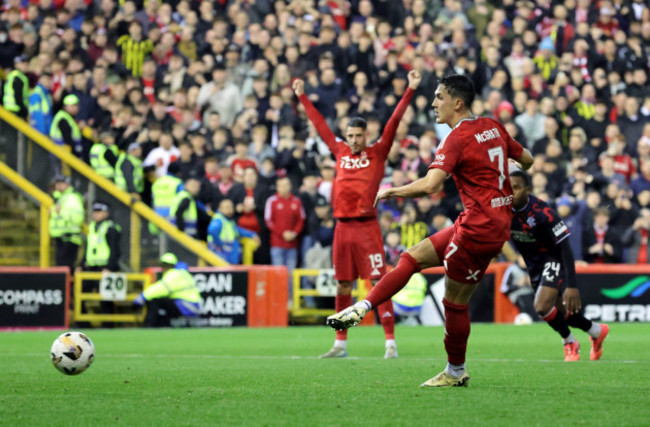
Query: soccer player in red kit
{"points": [[476, 154], [358, 249]]}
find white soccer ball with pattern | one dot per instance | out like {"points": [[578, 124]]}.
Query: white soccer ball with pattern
{"points": [[523, 319], [72, 353]]}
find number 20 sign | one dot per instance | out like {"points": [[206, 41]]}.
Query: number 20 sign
{"points": [[113, 287]]}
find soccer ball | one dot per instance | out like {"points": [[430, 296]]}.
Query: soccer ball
{"points": [[523, 319], [72, 353]]}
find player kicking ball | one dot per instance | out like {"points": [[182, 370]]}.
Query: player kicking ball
{"points": [[358, 249], [540, 236], [476, 154]]}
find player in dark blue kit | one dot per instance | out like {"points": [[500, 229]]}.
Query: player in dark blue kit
{"points": [[540, 236]]}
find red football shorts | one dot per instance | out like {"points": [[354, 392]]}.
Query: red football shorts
{"points": [[465, 260], [358, 250]]}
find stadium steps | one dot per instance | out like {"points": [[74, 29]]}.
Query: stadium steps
{"points": [[19, 229]]}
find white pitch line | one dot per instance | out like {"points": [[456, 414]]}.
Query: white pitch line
{"points": [[288, 357]]}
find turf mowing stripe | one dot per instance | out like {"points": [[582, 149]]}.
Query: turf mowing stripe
{"points": [[252, 357]]}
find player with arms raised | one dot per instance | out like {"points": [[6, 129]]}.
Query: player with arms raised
{"points": [[540, 236], [358, 249], [476, 154]]}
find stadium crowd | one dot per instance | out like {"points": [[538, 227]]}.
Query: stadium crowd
{"points": [[199, 93]]}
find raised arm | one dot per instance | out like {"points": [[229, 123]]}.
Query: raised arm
{"points": [[388, 135], [315, 116]]}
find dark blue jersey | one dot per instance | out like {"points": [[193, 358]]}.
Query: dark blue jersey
{"points": [[536, 232]]}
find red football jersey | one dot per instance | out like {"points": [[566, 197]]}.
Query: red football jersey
{"points": [[357, 175], [476, 154]]}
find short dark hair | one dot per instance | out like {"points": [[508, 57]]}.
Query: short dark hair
{"points": [[459, 86], [357, 122], [521, 174]]}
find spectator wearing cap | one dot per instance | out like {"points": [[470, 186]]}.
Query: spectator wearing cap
{"points": [[320, 228], [134, 48], [40, 104], [65, 130], [546, 60], [129, 173], [601, 243], [66, 220], [103, 155], [16, 88], [174, 295], [224, 234], [220, 96], [103, 242]]}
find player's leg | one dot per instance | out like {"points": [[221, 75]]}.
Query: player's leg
{"points": [[387, 318], [345, 273], [418, 257], [597, 333], [342, 300], [465, 263], [422, 255], [548, 304]]}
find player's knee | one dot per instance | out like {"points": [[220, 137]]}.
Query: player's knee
{"points": [[543, 307], [344, 288]]}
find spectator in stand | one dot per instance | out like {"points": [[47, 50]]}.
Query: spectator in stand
{"points": [[241, 160], [220, 96], [531, 121], [601, 243], [249, 198], [285, 217], [224, 234], [189, 165], [16, 88], [40, 104], [161, 156], [635, 239], [134, 48], [642, 182]]}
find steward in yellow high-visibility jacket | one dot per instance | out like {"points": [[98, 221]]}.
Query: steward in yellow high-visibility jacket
{"points": [[408, 301], [66, 219], [175, 294]]}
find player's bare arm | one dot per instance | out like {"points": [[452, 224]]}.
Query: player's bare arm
{"points": [[430, 184]]}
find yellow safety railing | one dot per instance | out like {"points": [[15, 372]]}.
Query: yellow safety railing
{"points": [[137, 207], [46, 203], [80, 297], [359, 292]]}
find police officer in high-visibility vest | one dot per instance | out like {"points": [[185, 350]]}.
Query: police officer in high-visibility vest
{"points": [[224, 234], [65, 130], [40, 104], [103, 155], [129, 173], [66, 219], [184, 212], [103, 242], [407, 303], [16, 89], [174, 295]]}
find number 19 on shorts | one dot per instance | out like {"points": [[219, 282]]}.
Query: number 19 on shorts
{"points": [[376, 262]]}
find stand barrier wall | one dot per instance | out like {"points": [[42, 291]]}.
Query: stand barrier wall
{"points": [[257, 296]]}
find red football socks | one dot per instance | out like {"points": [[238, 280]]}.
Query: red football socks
{"points": [[456, 331], [394, 281], [387, 317], [341, 302]]}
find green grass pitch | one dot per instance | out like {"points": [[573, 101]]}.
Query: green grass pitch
{"points": [[257, 377]]}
